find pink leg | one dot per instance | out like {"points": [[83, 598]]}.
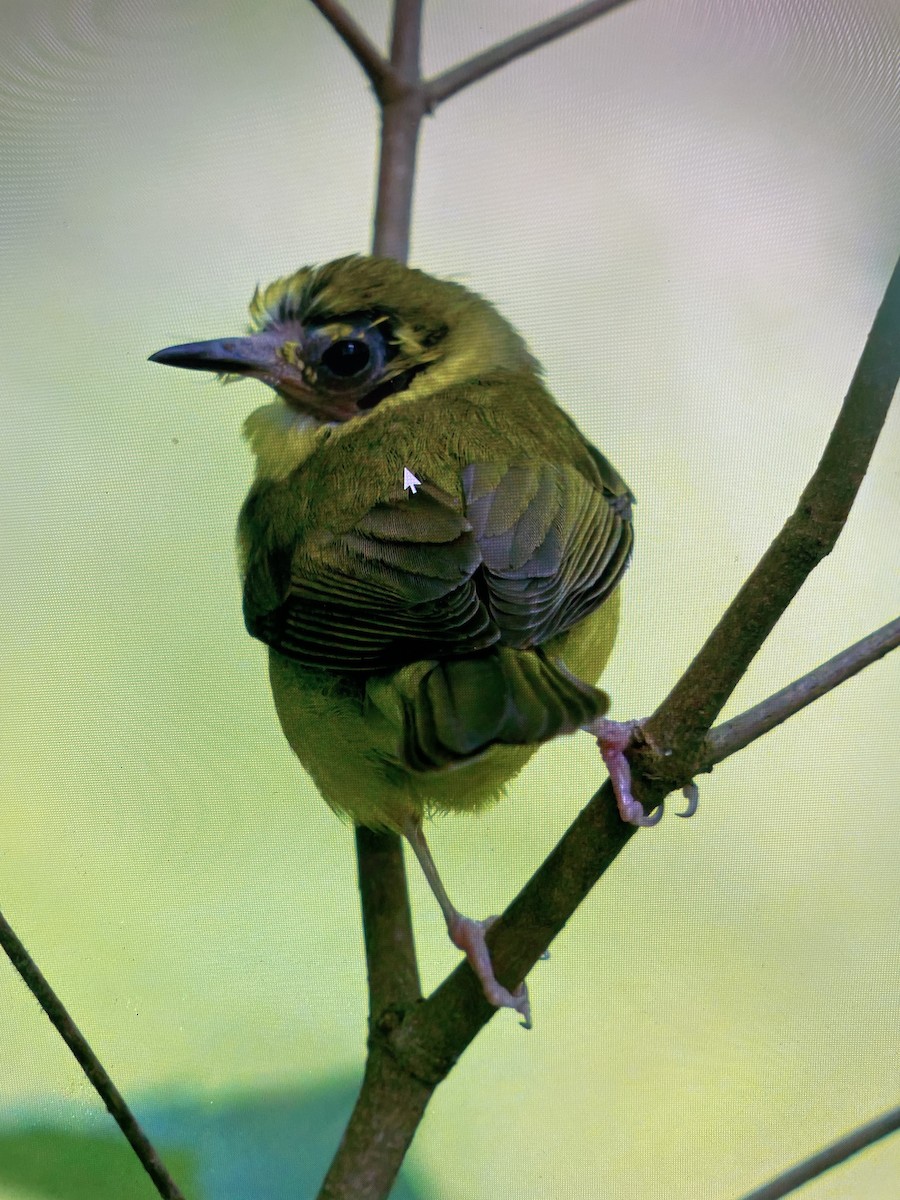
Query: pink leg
{"points": [[468, 934], [614, 738]]}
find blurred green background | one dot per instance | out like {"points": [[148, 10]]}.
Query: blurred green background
{"points": [[690, 209]]}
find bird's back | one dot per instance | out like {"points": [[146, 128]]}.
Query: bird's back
{"points": [[435, 624]]}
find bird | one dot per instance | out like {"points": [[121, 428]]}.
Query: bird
{"points": [[430, 549]]}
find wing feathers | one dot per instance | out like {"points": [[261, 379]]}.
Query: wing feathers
{"points": [[461, 707], [528, 550], [551, 560]]}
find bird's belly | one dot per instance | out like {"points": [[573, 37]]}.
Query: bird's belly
{"points": [[353, 748]]}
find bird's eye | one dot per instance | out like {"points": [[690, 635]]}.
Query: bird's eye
{"points": [[347, 357]]}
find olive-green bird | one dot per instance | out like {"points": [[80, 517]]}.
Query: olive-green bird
{"points": [[431, 550]]}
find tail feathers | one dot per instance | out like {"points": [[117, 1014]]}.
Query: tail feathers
{"points": [[453, 711]]}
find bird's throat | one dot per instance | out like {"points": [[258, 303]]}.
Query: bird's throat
{"points": [[281, 439]]}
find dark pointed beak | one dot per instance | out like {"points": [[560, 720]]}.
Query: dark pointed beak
{"points": [[260, 356], [256, 356]]}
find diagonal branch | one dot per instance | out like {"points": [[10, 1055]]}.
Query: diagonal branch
{"points": [[59, 1017], [434, 1034], [450, 82], [810, 533], [838, 1152], [740, 731], [438, 1031], [374, 64]]}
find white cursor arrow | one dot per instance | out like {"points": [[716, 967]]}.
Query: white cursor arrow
{"points": [[410, 482]]}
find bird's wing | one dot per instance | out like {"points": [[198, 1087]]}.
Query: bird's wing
{"points": [[534, 548], [553, 543], [396, 587]]}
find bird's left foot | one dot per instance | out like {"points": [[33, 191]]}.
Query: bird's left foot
{"points": [[468, 935], [614, 738]]}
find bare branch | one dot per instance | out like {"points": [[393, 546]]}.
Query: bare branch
{"points": [[393, 972], [406, 41], [383, 1123], [88, 1061], [402, 109], [429, 1038], [450, 82], [413, 1046], [837, 1152], [357, 41], [681, 723], [740, 731]]}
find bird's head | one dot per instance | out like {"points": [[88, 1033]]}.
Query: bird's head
{"points": [[335, 341]]}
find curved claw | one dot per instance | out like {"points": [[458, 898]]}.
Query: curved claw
{"points": [[614, 738], [691, 793], [632, 811], [654, 819]]}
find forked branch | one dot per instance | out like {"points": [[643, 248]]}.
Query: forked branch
{"points": [[382, 73]]}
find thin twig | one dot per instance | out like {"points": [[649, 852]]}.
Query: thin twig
{"points": [[837, 1152], [725, 739], [406, 41], [389, 1106], [357, 41], [454, 80], [87, 1059], [393, 971], [682, 722]]}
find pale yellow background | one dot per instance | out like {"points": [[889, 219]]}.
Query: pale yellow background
{"points": [[691, 210]]}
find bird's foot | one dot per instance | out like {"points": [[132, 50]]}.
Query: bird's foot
{"points": [[468, 935], [614, 738]]}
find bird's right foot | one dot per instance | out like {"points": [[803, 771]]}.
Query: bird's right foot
{"points": [[614, 738], [468, 935]]}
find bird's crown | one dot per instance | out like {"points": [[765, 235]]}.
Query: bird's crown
{"points": [[338, 340], [426, 319]]}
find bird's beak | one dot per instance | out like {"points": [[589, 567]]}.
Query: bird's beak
{"points": [[265, 356], [258, 356]]}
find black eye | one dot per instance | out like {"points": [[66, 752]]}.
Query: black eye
{"points": [[347, 357]]}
